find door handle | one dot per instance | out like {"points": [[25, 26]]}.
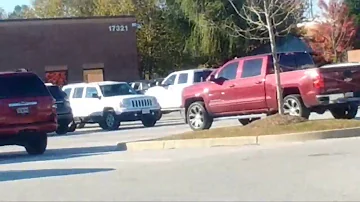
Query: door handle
{"points": [[232, 86], [258, 82]]}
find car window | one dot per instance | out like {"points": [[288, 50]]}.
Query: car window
{"points": [[136, 86], [252, 68], [295, 61], [90, 91], [22, 85], [170, 80], [78, 92], [183, 78], [56, 92], [67, 91], [229, 71], [201, 76], [117, 90]]}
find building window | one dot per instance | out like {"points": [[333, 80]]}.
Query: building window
{"points": [[57, 75], [58, 78], [93, 75]]}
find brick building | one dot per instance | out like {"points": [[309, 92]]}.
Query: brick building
{"points": [[67, 50]]}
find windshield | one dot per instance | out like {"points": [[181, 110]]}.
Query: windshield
{"points": [[56, 92], [116, 90]]}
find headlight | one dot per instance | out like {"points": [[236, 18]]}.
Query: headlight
{"points": [[154, 101], [124, 103]]}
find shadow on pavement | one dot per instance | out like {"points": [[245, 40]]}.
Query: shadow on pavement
{"points": [[13, 175], [123, 127], [55, 154]]}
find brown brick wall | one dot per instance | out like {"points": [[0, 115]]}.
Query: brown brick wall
{"points": [[74, 43]]}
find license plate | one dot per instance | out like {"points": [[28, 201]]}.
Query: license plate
{"points": [[22, 110], [146, 111]]}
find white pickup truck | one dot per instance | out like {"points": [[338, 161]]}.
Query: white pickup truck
{"points": [[109, 103], [169, 93]]}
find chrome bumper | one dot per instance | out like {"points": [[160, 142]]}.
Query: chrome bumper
{"points": [[337, 98]]}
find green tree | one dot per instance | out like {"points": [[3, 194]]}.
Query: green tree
{"points": [[20, 12], [208, 39]]}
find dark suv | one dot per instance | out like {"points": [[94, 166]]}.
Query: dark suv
{"points": [[63, 109], [27, 111]]}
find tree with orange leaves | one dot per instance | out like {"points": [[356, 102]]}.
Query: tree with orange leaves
{"points": [[335, 33]]}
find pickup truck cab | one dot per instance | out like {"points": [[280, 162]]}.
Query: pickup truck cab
{"points": [[109, 103], [169, 92], [246, 87]]}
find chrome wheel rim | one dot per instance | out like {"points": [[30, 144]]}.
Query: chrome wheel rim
{"points": [[291, 107], [110, 119], [196, 117]]}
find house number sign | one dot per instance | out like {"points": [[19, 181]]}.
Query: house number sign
{"points": [[118, 28]]}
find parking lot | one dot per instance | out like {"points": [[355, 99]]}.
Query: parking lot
{"points": [[88, 161]]}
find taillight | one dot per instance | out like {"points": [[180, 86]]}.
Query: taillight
{"points": [[318, 80]]}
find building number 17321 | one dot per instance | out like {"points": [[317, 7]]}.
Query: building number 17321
{"points": [[118, 28]]}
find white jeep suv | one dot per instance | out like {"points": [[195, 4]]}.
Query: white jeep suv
{"points": [[109, 103]]}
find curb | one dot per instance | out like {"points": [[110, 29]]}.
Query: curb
{"points": [[238, 141]]}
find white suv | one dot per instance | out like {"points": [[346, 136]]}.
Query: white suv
{"points": [[109, 103]]}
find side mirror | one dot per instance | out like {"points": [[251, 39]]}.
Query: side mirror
{"points": [[95, 95]]}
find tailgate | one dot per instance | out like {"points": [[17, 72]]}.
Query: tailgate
{"points": [[341, 78], [20, 111]]}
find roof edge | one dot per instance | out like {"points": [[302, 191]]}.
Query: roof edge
{"points": [[67, 18]]}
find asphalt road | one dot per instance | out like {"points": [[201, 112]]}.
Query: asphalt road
{"points": [[313, 171], [85, 166]]}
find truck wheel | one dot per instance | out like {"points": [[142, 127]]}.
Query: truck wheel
{"points": [[36, 143], [81, 125], [148, 121], [62, 129], [294, 106], [72, 127], [110, 121], [244, 122], [347, 112], [198, 117]]}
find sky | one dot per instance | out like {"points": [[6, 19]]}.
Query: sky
{"points": [[9, 5]]}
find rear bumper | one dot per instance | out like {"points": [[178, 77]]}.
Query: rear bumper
{"points": [[337, 98], [48, 127]]}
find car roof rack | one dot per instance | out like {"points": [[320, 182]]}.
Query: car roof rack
{"points": [[22, 70]]}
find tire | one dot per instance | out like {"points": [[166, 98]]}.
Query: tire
{"points": [[62, 129], [245, 122], [198, 117], [36, 143], [110, 121], [80, 125], [294, 106], [72, 127], [347, 112], [103, 125], [149, 121]]}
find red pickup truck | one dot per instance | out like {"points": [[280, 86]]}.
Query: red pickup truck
{"points": [[246, 86]]}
